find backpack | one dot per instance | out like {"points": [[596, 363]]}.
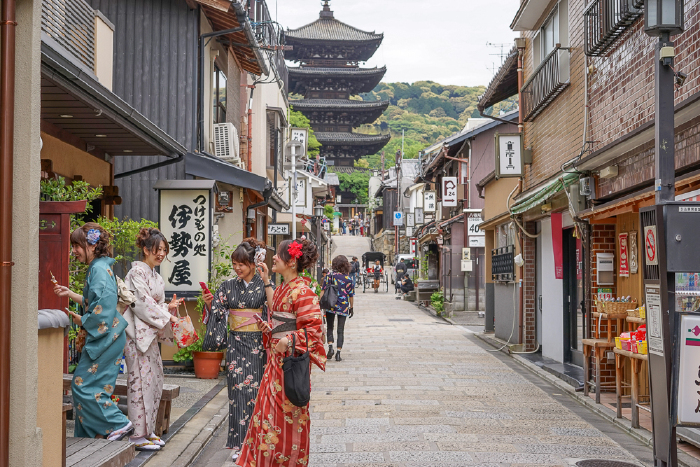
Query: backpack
{"points": [[330, 296]]}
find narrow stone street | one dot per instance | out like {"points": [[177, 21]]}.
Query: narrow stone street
{"points": [[413, 390]]}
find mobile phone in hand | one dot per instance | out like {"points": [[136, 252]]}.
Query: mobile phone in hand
{"points": [[204, 287]]}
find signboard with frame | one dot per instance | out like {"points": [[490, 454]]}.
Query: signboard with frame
{"points": [[418, 212], [410, 220], [473, 222], [449, 191], [429, 201], [398, 218], [409, 231], [278, 228], [301, 135], [509, 155]]}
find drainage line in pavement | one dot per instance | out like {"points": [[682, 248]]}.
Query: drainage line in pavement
{"points": [[143, 456]]}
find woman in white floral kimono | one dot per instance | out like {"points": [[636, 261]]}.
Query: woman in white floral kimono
{"points": [[149, 321]]}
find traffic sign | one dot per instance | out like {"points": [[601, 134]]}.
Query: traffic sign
{"points": [[398, 218]]}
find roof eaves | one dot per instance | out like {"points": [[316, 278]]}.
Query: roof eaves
{"points": [[504, 84]]}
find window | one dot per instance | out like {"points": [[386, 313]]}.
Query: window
{"points": [[219, 95], [555, 30], [505, 235]]}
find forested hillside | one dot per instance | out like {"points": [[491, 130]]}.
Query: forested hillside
{"points": [[426, 111]]}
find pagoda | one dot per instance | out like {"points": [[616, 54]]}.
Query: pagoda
{"points": [[328, 52]]}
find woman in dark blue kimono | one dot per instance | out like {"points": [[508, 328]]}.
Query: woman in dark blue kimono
{"points": [[96, 374]]}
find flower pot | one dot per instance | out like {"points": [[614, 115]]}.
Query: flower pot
{"points": [[207, 364]]}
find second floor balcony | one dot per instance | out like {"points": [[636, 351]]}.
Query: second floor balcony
{"points": [[606, 20], [547, 81]]}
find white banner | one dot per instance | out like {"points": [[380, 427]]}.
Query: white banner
{"points": [[185, 222]]}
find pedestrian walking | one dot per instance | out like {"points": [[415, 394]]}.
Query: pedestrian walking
{"points": [[238, 304], [340, 270], [377, 270], [149, 321], [95, 376], [355, 271], [345, 227], [279, 431]]}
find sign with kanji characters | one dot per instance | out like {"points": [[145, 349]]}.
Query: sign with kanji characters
{"points": [[419, 216], [449, 191], [624, 255], [473, 223], [410, 220], [509, 160], [605, 295], [185, 220], [413, 246], [429, 201]]}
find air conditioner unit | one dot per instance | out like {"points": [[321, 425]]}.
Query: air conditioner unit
{"points": [[226, 144]]}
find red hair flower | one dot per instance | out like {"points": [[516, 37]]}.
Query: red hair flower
{"points": [[294, 250]]}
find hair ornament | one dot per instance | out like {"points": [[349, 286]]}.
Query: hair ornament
{"points": [[294, 250], [303, 237], [93, 235]]}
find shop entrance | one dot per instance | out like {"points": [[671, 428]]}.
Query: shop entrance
{"points": [[573, 298]]}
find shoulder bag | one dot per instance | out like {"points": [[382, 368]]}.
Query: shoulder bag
{"points": [[297, 375], [183, 330]]}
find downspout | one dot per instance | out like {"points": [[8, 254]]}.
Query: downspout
{"points": [[521, 318], [7, 123], [249, 162]]}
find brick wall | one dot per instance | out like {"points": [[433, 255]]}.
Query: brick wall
{"points": [[530, 287], [556, 134], [602, 241], [621, 89]]}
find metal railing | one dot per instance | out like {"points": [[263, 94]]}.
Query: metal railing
{"points": [[605, 20], [546, 82], [267, 34], [502, 264], [71, 23]]}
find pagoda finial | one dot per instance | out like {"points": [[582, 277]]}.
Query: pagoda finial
{"points": [[326, 12]]}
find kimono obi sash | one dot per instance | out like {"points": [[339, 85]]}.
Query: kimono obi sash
{"points": [[242, 319], [282, 324]]}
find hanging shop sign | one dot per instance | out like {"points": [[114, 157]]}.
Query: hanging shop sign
{"points": [[624, 266], [413, 246], [418, 216], [410, 220], [634, 259], [429, 201], [185, 220], [409, 231], [509, 150], [449, 191], [557, 245], [278, 228]]}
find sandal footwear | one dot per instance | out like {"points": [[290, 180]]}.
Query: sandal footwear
{"points": [[155, 440], [121, 433], [147, 446]]}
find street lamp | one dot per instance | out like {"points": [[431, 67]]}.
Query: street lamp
{"points": [[662, 19], [318, 215]]}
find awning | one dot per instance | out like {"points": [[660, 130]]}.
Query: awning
{"points": [[73, 100], [543, 194], [209, 167]]}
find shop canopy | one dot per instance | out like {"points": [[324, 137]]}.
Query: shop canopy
{"points": [[545, 193]]}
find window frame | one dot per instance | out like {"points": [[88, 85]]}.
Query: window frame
{"points": [[219, 109]]}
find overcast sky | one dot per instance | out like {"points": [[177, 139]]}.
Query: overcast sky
{"points": [[437, 40]]}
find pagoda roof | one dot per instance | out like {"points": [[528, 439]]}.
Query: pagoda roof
{"points": [[349, 139], [366, 78], [344, 104]]}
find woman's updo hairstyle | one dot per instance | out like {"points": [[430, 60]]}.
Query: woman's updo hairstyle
{"points": [[245, 252], [309, 253], [340, 264], [90, 234], [150, 239]]}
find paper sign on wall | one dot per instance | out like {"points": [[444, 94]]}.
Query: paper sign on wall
{"points": [[624, 255]]}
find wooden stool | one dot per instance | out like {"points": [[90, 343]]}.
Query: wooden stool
{"points": [[637, 361], [597, 346]]}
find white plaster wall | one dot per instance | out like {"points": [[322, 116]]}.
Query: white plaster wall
{"points": [[552, 299]]}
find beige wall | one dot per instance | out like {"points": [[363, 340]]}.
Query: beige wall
{"points": [[70, 161], [104, 52], [49, 413], [496, 194], [25, 436]]}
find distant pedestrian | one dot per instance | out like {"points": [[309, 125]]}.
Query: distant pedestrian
{"points": [[95, 377], [406, 286], [377, 271], [400, 270], [340, 270], [149, 321], [345, 227]]}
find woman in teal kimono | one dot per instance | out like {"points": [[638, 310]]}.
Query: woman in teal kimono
{"points": [[95, 377]]}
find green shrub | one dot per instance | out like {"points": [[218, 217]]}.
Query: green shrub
{"points": [[437, 300]]}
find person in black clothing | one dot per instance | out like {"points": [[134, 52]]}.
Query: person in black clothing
{"points": [[400, 272], [406, 286]]}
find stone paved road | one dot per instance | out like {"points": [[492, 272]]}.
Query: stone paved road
{"points": [[414, 391]]}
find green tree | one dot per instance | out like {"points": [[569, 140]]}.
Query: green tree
{"points": [[357, 183], [297, 119]]}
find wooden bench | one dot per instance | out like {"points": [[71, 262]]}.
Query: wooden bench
{"points": [[170, 392], [637, 361], [597, 346], [98, 452]]}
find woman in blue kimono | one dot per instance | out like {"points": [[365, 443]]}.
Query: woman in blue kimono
{"points": [[96, 374]]}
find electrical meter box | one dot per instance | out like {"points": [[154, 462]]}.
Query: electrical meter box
{"points": [[682, 227], [605, 264]]}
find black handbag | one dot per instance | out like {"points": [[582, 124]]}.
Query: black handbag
{"points": [[297, 375], [330, 296]]}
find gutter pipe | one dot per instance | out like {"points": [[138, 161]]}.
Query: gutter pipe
{"points": [[481, 112], [200, 118], [8, 26]]}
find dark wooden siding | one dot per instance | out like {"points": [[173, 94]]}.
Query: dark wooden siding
{"points": [[155, 70]]}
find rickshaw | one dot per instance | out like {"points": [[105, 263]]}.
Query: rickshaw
{"points": [[367, 273]]}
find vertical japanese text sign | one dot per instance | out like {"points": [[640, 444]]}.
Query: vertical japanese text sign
{"points": [[449, 191], [509, 161], [429, 201], [185, 220]]}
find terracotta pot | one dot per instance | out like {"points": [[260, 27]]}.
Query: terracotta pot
{"points": [[207, 364]]}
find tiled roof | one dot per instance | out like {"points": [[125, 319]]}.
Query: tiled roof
{"points": [[349, 138], [330, 29], [341, 72], [338, 103], [331, 178]]}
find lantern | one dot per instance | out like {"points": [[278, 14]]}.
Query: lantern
{"points": [[663, 17]]}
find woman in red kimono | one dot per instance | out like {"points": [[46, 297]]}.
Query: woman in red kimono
{"points": [[278, 434]]}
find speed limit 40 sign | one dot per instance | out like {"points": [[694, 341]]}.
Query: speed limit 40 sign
{"points": [[473, 223]]}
